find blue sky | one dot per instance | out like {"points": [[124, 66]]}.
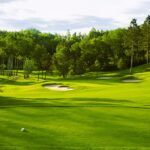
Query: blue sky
{"points": [[58, 16]]}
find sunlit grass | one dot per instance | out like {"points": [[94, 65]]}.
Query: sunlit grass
{"points": [[98, 113]]}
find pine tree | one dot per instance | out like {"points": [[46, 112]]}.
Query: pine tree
{"points": [[146, 37], [132, 41]]}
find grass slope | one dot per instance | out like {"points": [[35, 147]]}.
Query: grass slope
{"points": [[98, 114]]}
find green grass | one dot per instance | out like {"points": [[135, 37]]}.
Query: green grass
{"points": [[98, 114]]}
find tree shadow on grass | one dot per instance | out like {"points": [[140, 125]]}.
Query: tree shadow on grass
{"points": [[72, 126], [6, 102], [15, 82], [87, 80]]}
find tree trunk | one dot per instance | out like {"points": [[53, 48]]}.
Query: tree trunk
{"points": [[3, 62], [131, 63], [148, 46], [42, 74], [10, 65], [45, 74], [148, 55], [17, 67], [38, 75], [148, 50]]}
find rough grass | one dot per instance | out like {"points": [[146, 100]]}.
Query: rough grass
{"points": [[98, 114]]}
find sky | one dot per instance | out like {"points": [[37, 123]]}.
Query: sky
{"points": [[59, 16]]}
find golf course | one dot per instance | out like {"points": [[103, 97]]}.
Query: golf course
{"points": [[74, 75], [101, 111]]}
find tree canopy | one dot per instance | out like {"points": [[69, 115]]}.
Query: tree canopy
{"points": [[75, 53]]}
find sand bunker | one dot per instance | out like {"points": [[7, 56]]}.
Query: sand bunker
{"points": [[58, 87], [104, 78], [131, 81]]}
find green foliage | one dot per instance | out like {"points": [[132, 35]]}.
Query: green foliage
{"points": [[132, 40], [10, 65], [2, 67], [62, 61], [121, 64], [28, 67], [76, 53], [146, 37]]}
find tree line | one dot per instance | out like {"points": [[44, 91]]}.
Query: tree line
{"points": [[75, 53]]}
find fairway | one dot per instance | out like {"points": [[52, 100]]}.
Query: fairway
{"points": [[98, 114]]}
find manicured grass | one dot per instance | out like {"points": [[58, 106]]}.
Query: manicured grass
{"points": [[98, 114]]}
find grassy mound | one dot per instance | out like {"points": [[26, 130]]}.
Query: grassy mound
{"points": [[129, 77]]}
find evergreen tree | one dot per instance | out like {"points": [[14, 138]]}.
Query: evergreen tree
{"points": [[146, 37], [132, 41]]}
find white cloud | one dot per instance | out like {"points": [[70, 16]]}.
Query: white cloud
{"points": [[59, 15]]}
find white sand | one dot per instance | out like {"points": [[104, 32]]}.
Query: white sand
{"points": [[104, 78], [57, 87], [131, 81]]}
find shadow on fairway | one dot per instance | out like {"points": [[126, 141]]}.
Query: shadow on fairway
{"points": [[72, 123], [14, 82], [6, 102]]}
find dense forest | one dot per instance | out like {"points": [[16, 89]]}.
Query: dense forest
{"points": [[75, 53]]}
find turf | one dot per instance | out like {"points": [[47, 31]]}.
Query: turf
{"points": [[98, 114]]}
